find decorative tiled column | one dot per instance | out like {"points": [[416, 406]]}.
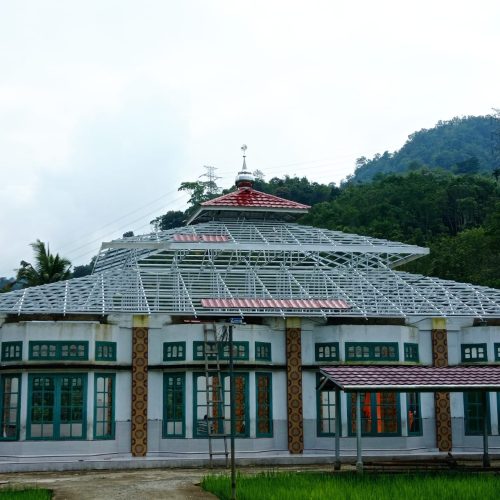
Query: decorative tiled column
{"points": [[140, 386], [441, 399], [294, 386]]}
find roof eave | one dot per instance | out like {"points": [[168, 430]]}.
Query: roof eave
{"points": [[222, 208]]}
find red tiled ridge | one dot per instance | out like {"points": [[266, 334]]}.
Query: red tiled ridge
{"points": [[248, 197], [350, 377], [275, 303], [208, 238]]}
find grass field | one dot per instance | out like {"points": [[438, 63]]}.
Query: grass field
{"points": [[27, 494], [326, 486]]}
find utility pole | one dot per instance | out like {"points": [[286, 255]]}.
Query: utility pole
{"points": [[233, 413]]}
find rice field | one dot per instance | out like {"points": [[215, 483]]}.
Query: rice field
{"points": [[25, 494], [347, 486]]}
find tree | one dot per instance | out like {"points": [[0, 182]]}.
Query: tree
{"points": [[85, 269], [496, 174], [48, 267], [173, 218]]}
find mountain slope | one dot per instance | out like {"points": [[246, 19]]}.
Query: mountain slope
{"points": [[461, 145]]}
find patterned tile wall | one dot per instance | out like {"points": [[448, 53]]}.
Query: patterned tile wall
{"points": [[294, 390], [139, 391], [441, 399]]}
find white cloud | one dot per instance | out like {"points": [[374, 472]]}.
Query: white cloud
{"points": [[106, 106]]}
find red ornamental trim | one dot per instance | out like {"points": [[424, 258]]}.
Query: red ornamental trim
{"points": [[207, 238], [275, 304]]}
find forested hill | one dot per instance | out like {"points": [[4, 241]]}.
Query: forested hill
{"points": [[460, 145], [457, 216]]}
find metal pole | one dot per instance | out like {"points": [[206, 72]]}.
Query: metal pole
{"points": [[359, 462], [486, 411], [336, 465], [232, 410]]}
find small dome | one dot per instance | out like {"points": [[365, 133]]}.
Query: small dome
{"points": [[244, 179]]}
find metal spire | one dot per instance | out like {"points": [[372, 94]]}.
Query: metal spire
{"points": [[244, 149]]}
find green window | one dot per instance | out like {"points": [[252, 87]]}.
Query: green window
{"points": [[473, 353], [371, 351], [58, 350], [214, 412], [174, 404], [325, 408], [263, 351], [413, 416], [12, 351], [327, 351], [474, 410], [57, 406], [105, 351], [264, 401], [497, 352], [379, 414], [240, 350], [174, 351], [10, 404], [104, 406], [411, 352]]}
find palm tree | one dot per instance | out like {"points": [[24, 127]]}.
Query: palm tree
{"points": [[48, 267]]}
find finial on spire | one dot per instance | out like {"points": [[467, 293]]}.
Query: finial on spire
{"points": [[244, 177], [244, 149]]}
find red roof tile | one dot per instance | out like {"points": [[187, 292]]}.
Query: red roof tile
{"points": [[249, 197], [422, 378], [207, 238], [274, 304]]}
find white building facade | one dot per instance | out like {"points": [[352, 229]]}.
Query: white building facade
{"points": [[116, 366]]}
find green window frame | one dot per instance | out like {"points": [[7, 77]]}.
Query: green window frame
{"points": [[326, 351], [57, 406], [411, 352], [473, 413], [174, 405], [105, 351], [264, 404], [380, 414], [371, 351], [174, 351], [325, 410], [104, 405], [263, 351], [10, 406], [497, 352], [219, 421], [43, 350], [12, 351], [240, 350], [474, 353], [413, 415]]}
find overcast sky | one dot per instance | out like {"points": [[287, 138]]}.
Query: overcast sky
{"points": [[107, 106]]}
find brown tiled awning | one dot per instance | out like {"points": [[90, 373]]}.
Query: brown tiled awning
{"points": [[411, 378]]}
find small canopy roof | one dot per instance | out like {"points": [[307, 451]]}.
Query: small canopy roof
{"points": [[246, 200], [411, 378]]}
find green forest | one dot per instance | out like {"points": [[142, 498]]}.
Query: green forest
{"points": [[430, 193], [462, 145]]}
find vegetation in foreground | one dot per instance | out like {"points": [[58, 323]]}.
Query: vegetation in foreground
{"points": [[25, 494], [325, 486]]}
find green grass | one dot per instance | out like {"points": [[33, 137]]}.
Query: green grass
{"points": [[346, 486], [25, 494]]}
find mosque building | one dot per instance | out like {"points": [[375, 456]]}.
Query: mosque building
{"points": [[131, 362]]}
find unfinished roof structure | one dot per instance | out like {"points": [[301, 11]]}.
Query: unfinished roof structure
{"points": [[242, 254]]}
